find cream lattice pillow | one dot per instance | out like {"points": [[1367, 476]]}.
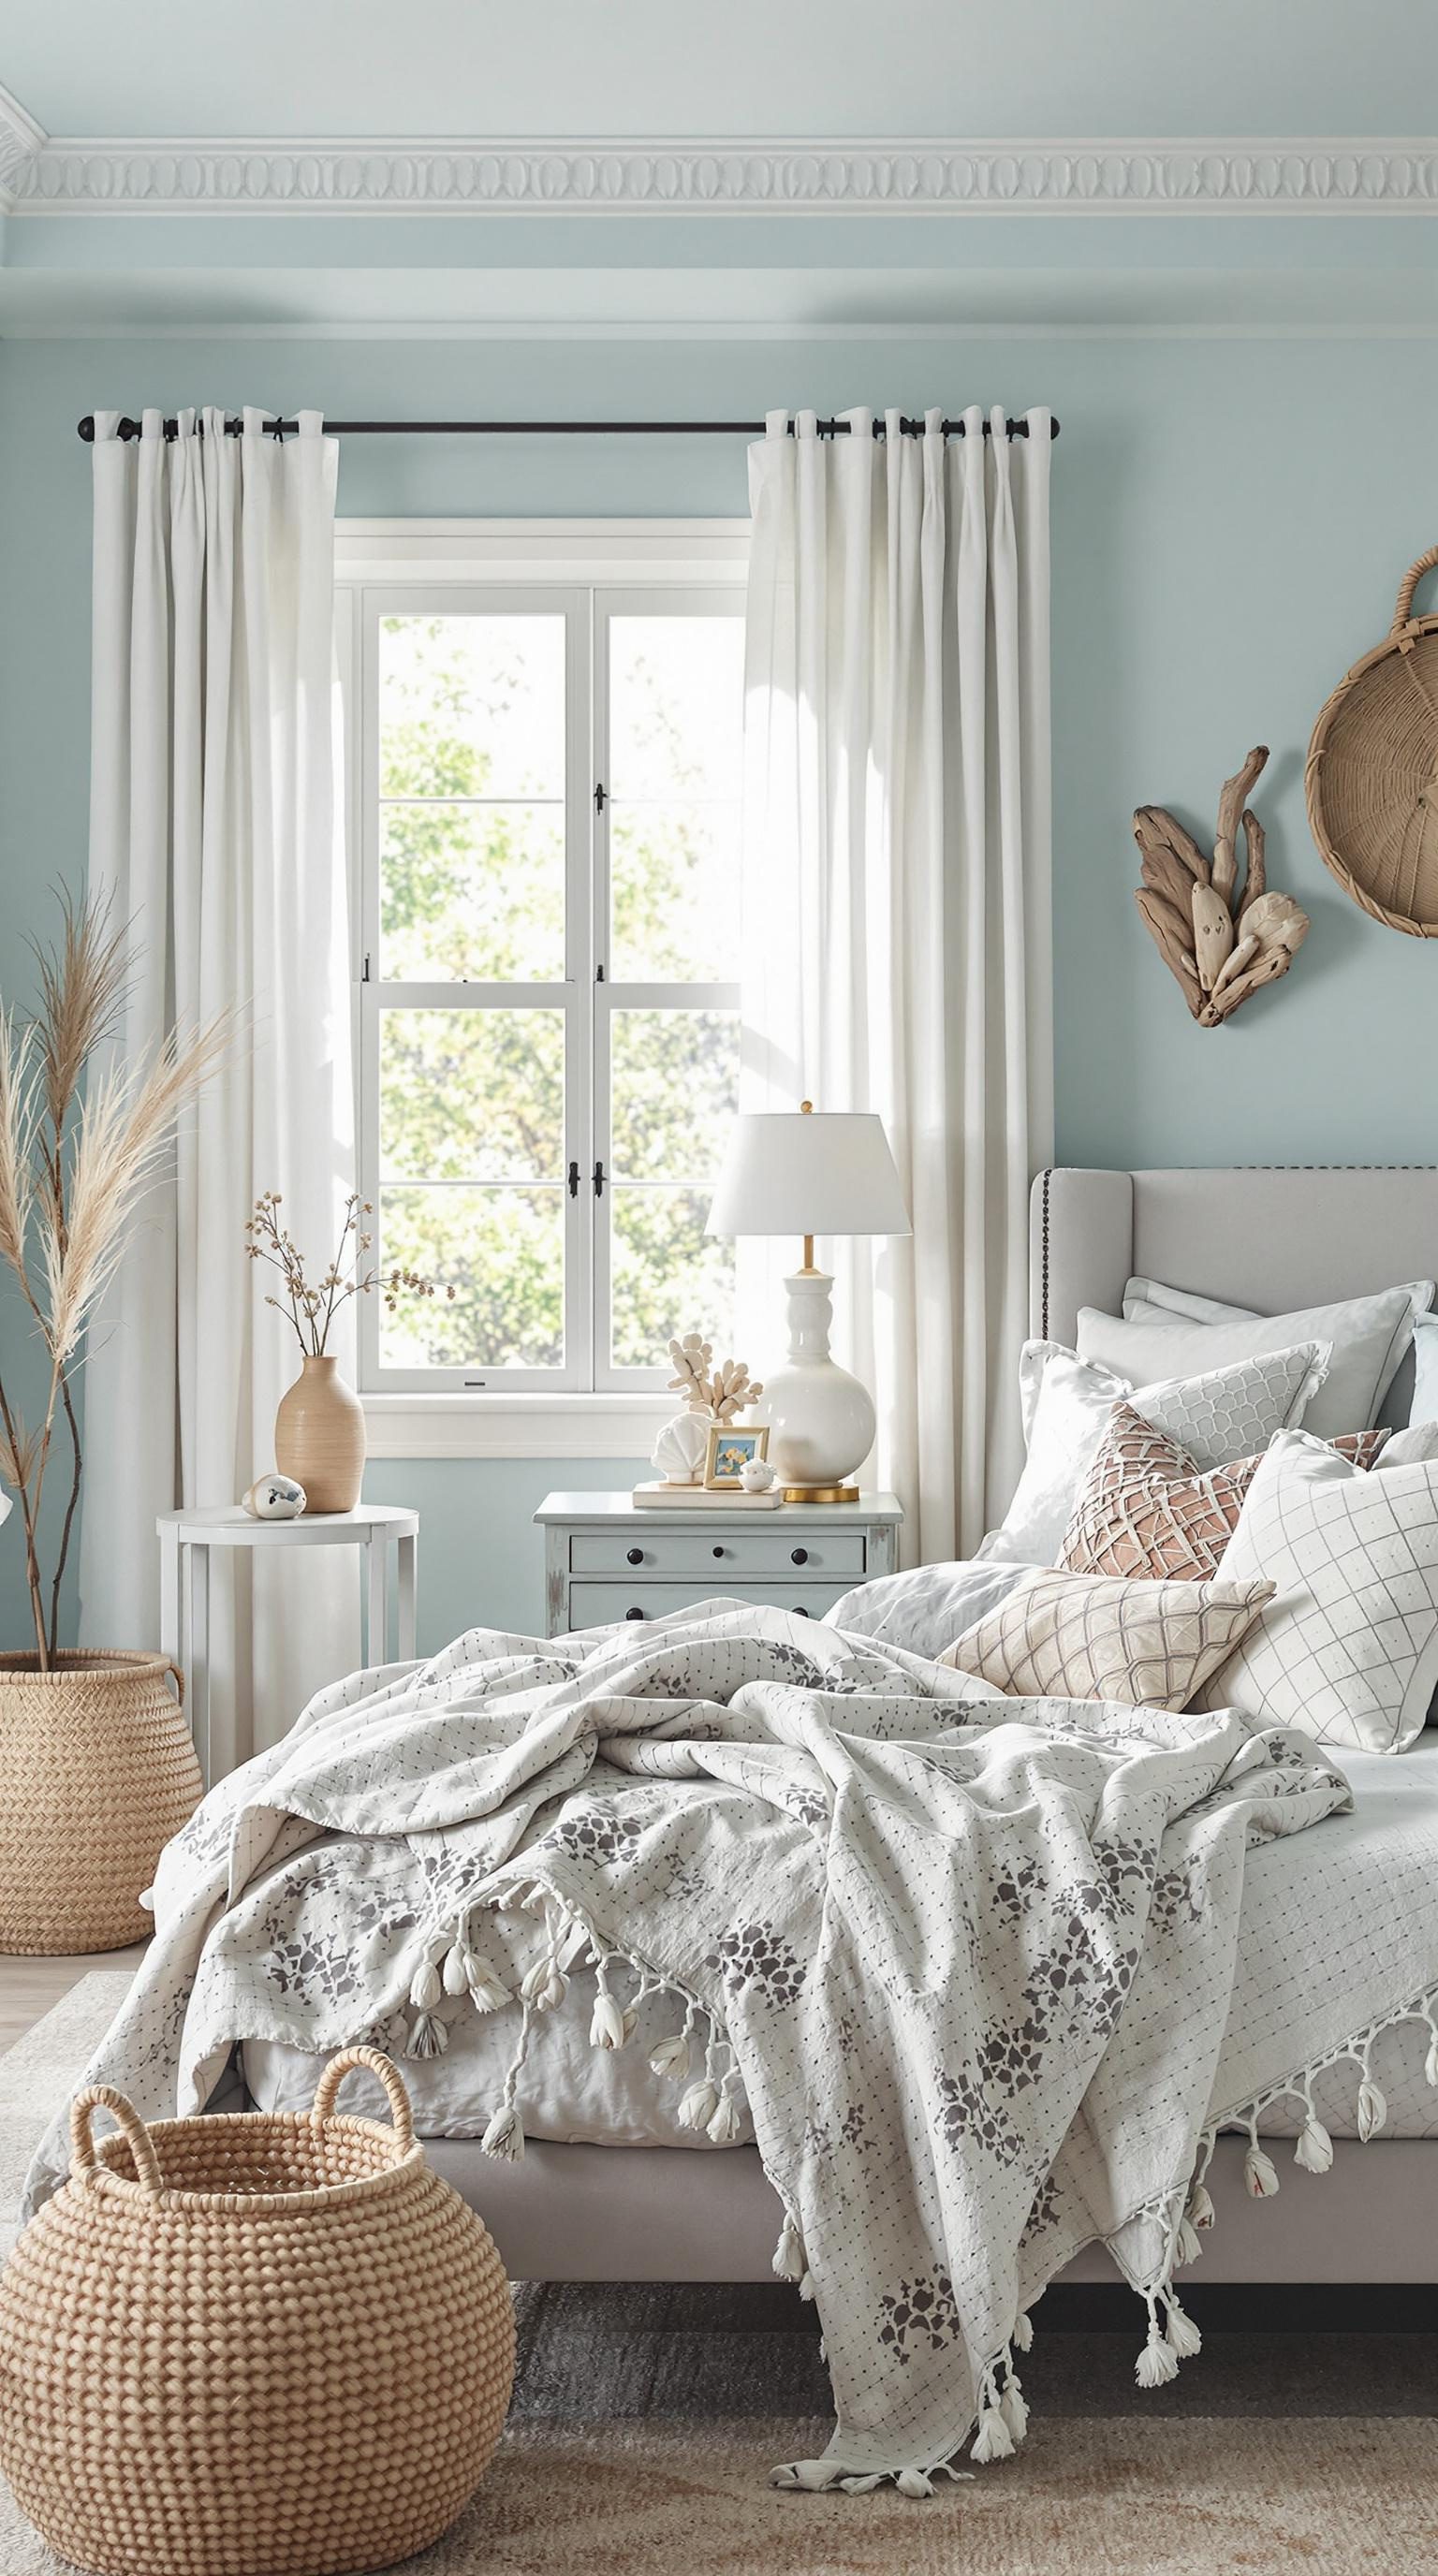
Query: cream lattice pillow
{"points": [[1094, 1636], [1147, 1508]]}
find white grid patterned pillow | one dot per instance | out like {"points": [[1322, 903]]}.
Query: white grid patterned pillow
{"points": [[1348, 1647], [1097, 1636]]}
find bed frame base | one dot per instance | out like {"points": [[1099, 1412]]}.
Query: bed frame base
{"points": [[680, 2214]]}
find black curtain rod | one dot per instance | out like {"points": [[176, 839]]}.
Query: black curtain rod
{"points": [[557, 428]]}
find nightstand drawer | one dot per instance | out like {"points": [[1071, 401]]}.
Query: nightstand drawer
{"points": [[593, 1605], [684, 1555]]}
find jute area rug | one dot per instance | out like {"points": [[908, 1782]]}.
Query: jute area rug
{"points": [[645, 2422]]}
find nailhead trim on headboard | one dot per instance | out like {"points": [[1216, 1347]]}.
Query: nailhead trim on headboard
{"points": [[1044, 1263]]}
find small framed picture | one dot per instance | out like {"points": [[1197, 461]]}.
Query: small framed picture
{"points": [[731, 1446]]}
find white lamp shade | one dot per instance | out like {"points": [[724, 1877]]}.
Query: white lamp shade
{"points": [[808, 1172]]}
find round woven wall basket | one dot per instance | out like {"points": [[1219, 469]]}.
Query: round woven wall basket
{"points": [[272, 2345], [97, 1771], [1372, 775]]}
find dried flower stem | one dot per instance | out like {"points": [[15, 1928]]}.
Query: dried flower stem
{"points": [[312, 1310]]}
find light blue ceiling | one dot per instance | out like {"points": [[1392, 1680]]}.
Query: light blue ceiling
{"points": [[583, 73], [590, 68]]}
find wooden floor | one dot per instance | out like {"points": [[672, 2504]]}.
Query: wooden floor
{"points": [[28, 1987]]}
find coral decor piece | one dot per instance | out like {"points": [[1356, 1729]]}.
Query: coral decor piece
{"points": [[721, 1395], [1221, 938]]}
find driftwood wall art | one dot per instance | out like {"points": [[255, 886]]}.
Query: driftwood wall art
{"points": [[1221, 936]]}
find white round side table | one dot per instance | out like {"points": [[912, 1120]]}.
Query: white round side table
{"points": [[186, 1539]]}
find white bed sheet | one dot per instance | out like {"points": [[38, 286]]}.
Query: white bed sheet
{"points": [[1385, 1854]]}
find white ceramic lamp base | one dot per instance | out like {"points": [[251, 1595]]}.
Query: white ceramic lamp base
{"points": [[821, 1420]]}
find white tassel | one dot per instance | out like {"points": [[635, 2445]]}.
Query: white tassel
{"points": [[426, 1987], [1180, 2331], [543, 1986], [807, 2291], [504, 2136], [725, 2126], [1372, 2110], [875, 2478], [456, 1970], [699, 2105], [1314, 2150], [428, 2037], [1189, 2245], [994, 2441], [1015, 2407], [575, 1939], [671, 2057], [1024, 2332], [910, 2482], [628, 2022], [1157, 2364], [606, 2030], [1200, 2207], [1260, 2180], [790, 2262], [1430, 2062], [485, 1991]]}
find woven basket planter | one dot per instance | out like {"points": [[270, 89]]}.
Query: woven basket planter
{"points": [[97, 1771], [1372, 774], [259, 2346]]}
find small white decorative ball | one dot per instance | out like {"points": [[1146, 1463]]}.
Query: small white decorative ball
{"points": [[275, 1498], [756, 1476]]}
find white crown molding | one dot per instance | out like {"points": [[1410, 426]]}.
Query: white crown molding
{"points": [[43, 175], [21, 142]]}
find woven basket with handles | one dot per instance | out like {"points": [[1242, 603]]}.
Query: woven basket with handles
{"points": [[97, 1771], [270, 2345], [1372, 774]]}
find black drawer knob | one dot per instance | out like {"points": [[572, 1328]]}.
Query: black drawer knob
{"points": [[718, 1551], [633, 1614], [799, 1610], [636, 1556], [798, 1556]]}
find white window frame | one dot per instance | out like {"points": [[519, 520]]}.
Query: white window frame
{"points": [[621, 565]]}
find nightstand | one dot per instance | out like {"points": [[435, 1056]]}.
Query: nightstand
{"points": [[606, 1559]]}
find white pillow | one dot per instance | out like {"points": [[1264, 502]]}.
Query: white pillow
{"points": [[1368, 1337], [1146, 1300], [1066, 1402], [1424, 1407], [1411, 1447], [1347, 1649]]}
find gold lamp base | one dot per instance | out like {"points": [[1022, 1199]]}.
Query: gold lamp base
{"points": [[821, 1493]]}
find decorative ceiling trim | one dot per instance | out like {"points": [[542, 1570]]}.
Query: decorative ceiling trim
{"points": [[21, 142], [40, 175]]}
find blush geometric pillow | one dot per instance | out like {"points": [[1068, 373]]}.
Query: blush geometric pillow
{"points": [[1148, 1509], [1087, 1636]]}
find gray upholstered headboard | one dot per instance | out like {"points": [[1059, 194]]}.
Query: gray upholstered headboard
{"points": [[1269, 1237]]}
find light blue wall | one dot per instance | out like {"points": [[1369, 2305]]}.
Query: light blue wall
{"points": [[1231, 517]]}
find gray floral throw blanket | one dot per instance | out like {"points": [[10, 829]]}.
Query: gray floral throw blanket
{"points": [[969, 1960]]}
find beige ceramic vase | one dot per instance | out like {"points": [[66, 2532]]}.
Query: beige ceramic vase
{"points": [[319, 1436]]}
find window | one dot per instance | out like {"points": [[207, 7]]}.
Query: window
{"points": [[548, 782]]}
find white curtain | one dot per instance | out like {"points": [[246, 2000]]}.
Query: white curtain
{"points": [[897, 905], [214, 829]]}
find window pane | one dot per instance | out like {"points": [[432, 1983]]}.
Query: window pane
{"points": [[471, 706], [472, 1095], [676, 692], [674, 893], [502, 1252], [472, 893], [667, 1275], [674, 1078]]}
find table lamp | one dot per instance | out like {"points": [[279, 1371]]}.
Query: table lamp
{"points": [[806, 1172]]}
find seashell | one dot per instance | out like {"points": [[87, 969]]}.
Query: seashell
{"points": [[275, 1498], [680, 1447], [756, 1476]]}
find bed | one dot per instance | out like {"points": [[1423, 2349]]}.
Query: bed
{"points": [[658, 2209], [1010, 1975]]}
